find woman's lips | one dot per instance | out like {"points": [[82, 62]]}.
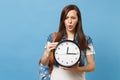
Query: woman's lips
{"points": [[69, 26]]}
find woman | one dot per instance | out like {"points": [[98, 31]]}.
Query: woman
{"points": [[70, 28]]}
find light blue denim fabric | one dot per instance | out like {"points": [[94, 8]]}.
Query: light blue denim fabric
{"points": [[44, 72]]}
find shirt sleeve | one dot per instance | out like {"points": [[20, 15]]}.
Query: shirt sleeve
{"points": [[44, 72], [49, 39], [90, 45]]}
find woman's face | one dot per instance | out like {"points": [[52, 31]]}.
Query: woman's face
{"points": [[71, 21]]}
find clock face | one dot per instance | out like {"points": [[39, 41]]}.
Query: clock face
{"points": [[67, 53]]}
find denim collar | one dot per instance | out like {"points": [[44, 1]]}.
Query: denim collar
{"points": [[75, 38]]}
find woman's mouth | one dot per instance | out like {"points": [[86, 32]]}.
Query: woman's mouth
{"points": [[69, 26]]}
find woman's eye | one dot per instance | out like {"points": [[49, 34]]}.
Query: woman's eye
{"points": [[73, 17], [66, 17]]}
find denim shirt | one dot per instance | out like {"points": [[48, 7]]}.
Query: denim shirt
{"points": [[44, 70]]}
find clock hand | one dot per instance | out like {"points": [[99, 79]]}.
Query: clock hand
{"points": [[68, 53], [72, 53], [61, 54], [67, 50]]}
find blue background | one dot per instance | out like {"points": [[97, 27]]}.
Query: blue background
{"points": [[25, 25]]}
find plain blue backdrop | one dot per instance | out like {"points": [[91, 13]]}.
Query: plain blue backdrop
{"points": [[26, 24]]}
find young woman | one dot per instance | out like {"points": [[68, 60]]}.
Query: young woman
{"points": [[70, 28]]}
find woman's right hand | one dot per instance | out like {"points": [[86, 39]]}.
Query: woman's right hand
{"points": [[51, 46]]}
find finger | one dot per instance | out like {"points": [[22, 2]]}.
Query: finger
{"points": [[52, 44], [78, 63], [55, 43], [65, 68]]}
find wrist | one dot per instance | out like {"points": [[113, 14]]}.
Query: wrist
{"points": [[47, 53]]}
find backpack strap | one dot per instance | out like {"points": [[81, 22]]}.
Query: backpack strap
{"points": [[51, 61], [54, 36]]}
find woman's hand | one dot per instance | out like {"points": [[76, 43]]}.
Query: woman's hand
{"points": [[73, 68], [89, 67], [50, 47]]}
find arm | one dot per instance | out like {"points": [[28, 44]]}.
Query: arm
{"points": [[90, 64], [45, 58]]}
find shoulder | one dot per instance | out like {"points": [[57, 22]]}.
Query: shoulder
{"points": [[88, 39], [90, 45], [50, 36]]}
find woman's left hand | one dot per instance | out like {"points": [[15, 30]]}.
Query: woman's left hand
{"points": [[73, 68]]}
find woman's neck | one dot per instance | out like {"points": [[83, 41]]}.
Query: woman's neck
{"points": [[70, 35]]}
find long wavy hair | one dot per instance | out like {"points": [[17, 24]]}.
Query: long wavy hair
{"points": [[79, 31]]}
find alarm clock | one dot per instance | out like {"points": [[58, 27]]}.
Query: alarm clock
{"points": [[67, 53]]}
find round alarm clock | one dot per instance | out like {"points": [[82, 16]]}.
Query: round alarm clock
{"points": [[67, 53]]}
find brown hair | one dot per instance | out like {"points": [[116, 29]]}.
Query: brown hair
{"points": [[79, 31], [81, 37]]}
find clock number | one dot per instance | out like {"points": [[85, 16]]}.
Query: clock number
{"points": [[66, 43], [75, 48], [58, 48], [76, 58], [66, 62], [58, 58]]}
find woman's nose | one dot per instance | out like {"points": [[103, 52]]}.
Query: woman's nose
{"points": [[70, 21]]}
